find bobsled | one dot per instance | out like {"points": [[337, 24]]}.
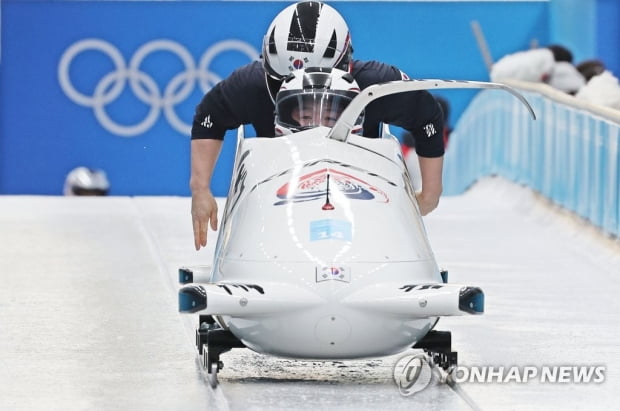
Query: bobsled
{"points": [[322, 252]]}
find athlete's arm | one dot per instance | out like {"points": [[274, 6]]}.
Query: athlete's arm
{"points": [[204, 154], [431, 172], [223, 108], [420, 114]]}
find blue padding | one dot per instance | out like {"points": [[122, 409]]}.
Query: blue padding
{"points": [[471, 300], [568, 155], [192, 298]]}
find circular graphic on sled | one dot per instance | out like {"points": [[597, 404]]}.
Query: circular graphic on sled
{"points": [[313, 186], [412, 373]]}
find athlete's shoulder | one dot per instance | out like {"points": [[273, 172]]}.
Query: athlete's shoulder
{"points": [[372, 72], [250, 75]]}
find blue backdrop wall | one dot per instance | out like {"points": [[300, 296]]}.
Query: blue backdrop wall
{"points": [[113, 84]]}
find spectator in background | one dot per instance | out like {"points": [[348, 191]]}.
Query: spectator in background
{"points": [[590, 68], [566, 78], [601, 86], [84, 181], [560, 53], [552, 65]]}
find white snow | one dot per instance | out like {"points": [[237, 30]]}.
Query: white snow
{"points": [[88, 311]]}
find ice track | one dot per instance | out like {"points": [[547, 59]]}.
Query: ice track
{"points": [[88, 311]]}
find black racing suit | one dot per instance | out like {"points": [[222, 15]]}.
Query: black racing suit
{"points": [[243, 98]]}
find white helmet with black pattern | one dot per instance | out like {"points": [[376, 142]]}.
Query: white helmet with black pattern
{"points": [[305, 34], [84, 181]]}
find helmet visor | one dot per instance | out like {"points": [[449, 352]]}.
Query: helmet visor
{"points": [[300, 110]]}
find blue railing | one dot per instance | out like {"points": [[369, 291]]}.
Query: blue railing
{"points": [[569, 154]]}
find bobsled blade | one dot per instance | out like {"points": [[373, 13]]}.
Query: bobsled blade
{"points": [[192, 298]]}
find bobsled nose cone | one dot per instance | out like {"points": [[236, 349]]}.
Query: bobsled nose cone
{"points": [[192, 298], [471, 300], [186, 275]]}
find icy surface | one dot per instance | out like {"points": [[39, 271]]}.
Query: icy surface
{"points": [[88, 311]]}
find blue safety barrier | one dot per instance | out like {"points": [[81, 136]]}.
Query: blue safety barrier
{"points": [[569, 154]]}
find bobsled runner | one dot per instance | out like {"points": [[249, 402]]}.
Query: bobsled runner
{"points": [[322, 252]]}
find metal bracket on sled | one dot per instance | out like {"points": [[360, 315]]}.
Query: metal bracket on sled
{"points": [[206, 323], [211, 342], [438, 345]]}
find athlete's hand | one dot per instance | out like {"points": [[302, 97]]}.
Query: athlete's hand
{"points": [[204, 213], [426, 201]]}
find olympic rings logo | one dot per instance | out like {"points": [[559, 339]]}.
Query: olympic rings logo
{"points": [[143, 86]]}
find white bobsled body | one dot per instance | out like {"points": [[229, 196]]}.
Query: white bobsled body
{"points": [[322, 251], [324, 271]]}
